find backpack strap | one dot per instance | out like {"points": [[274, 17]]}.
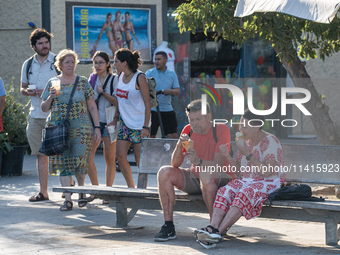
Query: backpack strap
{"points": [[29, 64], [104, 86], [214, 133], [28, 67], [111, 85], [137, 78]]}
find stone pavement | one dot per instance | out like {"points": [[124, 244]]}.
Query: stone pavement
{"points": [[31, 228]]}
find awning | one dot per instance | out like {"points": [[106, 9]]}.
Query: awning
{"points": [[322, 11]]}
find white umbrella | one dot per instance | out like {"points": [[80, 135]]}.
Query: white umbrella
{"points": [[322, 11]]}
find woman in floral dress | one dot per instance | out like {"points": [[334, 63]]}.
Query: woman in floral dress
{"points": [[257, 152]]}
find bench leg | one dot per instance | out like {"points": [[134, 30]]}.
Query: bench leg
{"points": [[331, 231], [121, 215]]}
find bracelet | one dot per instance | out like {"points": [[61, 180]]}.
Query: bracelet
{"points": [[116, 117], [146, 127], [101, 93], [96, 126], [200, 161]]}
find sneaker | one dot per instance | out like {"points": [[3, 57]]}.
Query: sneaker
{"points": [[165, 234]]}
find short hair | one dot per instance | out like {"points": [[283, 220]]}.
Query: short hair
{"points": [[195, 106], [106, 57], [38, 34], [162, 53], [62, 55], [251, 116], [132, 58]]}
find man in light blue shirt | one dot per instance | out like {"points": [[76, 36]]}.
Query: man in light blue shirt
{"points": [[167, 82]]}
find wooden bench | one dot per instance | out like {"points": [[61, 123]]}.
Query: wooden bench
{"points": [[157, 152]]}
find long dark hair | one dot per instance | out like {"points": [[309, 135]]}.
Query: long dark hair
{"points": [[103, 55], [132, 58]]}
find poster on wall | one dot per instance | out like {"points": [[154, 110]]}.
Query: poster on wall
{"points": [[109, 28]]}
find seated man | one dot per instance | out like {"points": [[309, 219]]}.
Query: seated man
{"points": [[204, 152]]}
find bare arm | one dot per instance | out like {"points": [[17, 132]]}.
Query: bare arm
{"points": [[178, 156], [26, 91], [225, 152], [144, 89], [174, 92], [100, 34], [46, 104], [133, 32], [92, 108]]}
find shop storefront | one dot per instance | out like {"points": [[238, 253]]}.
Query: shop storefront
{"points": [[202, 60]]}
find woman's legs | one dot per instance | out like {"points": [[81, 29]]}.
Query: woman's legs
{"points": [[110, 160], [232, 216], [131, 45], [136, 152], [92, 170], [66, 181], [122, 150]]}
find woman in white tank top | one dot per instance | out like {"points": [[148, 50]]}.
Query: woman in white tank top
{"points": [[133, 110]]}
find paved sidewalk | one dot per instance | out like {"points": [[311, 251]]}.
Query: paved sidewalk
{"points": [[31, 228]]}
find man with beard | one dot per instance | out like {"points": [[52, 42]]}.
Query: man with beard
{"points": [[202, 153], [35, 73]]}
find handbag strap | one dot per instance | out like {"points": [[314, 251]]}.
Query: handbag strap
{"points": [[71, 97]]}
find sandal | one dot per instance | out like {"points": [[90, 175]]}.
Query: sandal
{"points": [[82, 201], [206, 244], [72, 184], [91, 198], [67, 206], [38, 197], [203, 234]]}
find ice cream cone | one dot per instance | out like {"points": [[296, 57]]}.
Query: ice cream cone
{"points": [[188, 144]]}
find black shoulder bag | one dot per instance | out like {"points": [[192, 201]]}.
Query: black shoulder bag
{"points": [[56, 139]]}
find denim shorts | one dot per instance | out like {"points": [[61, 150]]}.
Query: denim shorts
{"points": [[103, 130]]}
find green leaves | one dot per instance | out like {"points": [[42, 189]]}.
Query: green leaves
{"points": [[284, 31], [14, 121]]}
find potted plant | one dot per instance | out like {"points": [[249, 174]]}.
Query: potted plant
{"points": [[13, 140]]}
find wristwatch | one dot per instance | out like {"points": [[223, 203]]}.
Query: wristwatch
{"points": [[200, 161], [101, 93], [249, 156]]}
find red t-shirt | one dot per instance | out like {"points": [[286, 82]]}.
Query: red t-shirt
{"points": [[205, 145]]}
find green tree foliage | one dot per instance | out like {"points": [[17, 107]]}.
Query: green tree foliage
{"points": [[285, 33]]}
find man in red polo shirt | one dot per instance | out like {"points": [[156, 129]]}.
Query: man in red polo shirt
{"points": [[204, 155]]}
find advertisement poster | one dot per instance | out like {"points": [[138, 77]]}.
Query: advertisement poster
{"points": [[109, 29]]}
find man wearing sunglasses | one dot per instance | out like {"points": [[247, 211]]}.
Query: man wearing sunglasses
{"points": [[35, 73], [203, 155]]}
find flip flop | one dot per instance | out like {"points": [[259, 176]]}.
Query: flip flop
{"points": [[38, 197]]}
